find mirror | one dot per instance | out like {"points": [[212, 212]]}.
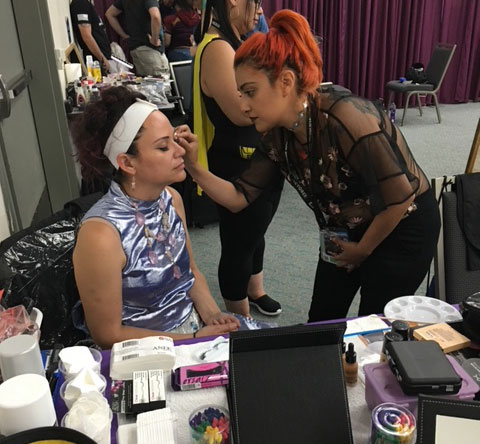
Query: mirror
{"points": [[74, 48]]}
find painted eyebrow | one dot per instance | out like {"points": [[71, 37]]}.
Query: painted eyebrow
{"points": [[245, 85], [161, 138]]}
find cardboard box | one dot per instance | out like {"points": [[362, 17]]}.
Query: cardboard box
{"points": [[445, 336]]}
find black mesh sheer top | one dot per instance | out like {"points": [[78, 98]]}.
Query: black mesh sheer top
{"points": [[354, 164]]}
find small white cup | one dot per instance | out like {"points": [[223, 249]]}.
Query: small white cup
{"points": [[19, 355], [25, 403], [90, 415]]}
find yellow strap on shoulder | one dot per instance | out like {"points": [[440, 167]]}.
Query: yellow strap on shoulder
{"points": [[202, 126]]}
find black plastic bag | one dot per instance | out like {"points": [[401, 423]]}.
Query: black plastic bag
{"points": [[416, 73], [37, 263]]}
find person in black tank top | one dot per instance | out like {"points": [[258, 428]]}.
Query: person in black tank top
{"points": [[240, 271]]}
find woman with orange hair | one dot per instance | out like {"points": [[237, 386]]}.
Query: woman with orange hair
{"points": [[378, 217]]}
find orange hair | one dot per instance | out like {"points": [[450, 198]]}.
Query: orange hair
{"points": [[288, 44]]}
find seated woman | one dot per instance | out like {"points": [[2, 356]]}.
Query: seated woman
{"points": [[133, 261]]}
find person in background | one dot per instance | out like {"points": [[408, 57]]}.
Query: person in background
{"points": [[90, 32], [133, 261], [216, 100], [261, 26], [143, 24], [166, 8], [347, 161], [179, 29]]}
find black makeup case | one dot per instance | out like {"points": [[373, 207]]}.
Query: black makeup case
{"points": [[422, 367], [287, 386]]}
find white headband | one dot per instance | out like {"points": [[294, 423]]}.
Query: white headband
{"points": [[126, 129]]}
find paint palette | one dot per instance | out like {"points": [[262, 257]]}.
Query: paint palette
{"points": [[421, 309]]}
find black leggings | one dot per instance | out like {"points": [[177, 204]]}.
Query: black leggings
{"points": [[243, 243], [396, 267]]}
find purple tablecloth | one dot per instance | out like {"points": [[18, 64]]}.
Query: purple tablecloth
{"points": [[61, 408]]}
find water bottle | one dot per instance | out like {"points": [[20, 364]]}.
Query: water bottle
{"points": [[391, 112], [97, 71], [90, 66]]}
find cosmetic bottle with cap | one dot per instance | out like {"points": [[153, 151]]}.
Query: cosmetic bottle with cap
{"points": [[390, 336], [401, 327], [351, 365]]}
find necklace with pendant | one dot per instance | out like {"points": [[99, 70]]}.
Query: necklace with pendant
{"points": [[300, 117], [163, 237]]}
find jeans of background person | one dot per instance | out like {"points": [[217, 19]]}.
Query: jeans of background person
{"points": [[396, 267], [179, 54], [149, 61], [243, 243]]}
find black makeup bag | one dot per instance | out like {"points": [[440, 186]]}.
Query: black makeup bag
{"points": [[422, 367]]}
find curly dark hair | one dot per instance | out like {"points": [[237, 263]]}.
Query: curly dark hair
{"points": [[184, 5], [90, 132]]}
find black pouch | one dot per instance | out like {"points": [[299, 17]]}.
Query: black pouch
{"points": [[422, 367], [287, 386], [416, 73]]}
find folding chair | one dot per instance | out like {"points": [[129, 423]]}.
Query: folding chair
{"points": [[182, 76], [453, 280], [436, 70]]}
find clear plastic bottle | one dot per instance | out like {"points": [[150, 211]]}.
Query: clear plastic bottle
{"points": [[90, 66], [392, 110], [97, 72], [95, 95]]}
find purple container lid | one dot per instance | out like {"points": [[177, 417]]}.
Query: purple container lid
{"points": [[381, 386]]}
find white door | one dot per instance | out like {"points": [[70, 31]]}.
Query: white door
{"points": [[36, 164], [23, 176]]}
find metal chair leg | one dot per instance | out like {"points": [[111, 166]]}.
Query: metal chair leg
{"points": [[406, 106], [419, 103], [436, 107]]}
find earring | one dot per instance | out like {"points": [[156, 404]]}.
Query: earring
{"points": [[132, 184]]}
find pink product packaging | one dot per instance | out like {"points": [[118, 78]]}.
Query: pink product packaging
{"points": [[382, 386], [191, 377]]}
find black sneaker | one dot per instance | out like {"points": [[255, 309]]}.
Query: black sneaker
{"points": [[266, 305]]}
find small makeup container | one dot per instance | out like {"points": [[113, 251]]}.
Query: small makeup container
{"points": [[191, 377], [393, 424], [210, 424], [401, 327], [390, 336], [350, 366]]}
